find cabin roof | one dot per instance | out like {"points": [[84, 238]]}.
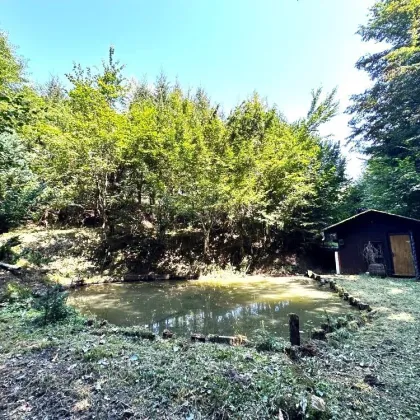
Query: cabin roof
{"points": [[329, 228]]}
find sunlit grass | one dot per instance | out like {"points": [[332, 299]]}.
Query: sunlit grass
{"points": [[402, 316], [395, 291]]}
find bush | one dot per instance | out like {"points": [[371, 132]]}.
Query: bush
{"points": [[53, 305], [35, 257]]}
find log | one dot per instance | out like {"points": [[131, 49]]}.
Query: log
{"points": [[10, 267], [198, 337], [346, 296], [294, 330], [227, 339]]}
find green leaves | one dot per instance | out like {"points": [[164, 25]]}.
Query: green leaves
{"points": [[385, 119], [156, 153], [11, 66], [19, 187]]}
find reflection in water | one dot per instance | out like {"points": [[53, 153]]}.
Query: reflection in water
{"points": [[235, 307]]}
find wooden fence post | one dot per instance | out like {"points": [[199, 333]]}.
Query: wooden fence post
{"points": [[294, 329]]}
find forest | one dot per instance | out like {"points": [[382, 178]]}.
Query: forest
{"points": [[152, 159]]}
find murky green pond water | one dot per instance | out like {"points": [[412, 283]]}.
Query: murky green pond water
{"points": [[205, 306]]}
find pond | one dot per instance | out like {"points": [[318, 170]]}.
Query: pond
{"points": [[225, 307]]}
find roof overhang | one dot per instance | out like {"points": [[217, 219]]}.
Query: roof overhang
{"points": [[332, 227]]}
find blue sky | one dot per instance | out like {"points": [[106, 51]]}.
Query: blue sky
{"points": [[281, 48]]}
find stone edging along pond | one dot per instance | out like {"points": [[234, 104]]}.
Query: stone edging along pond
{"points": [[342, 292], [320, 333]]}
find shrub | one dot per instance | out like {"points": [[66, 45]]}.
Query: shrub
{"points": [[6, 251], [53, 305], [35, 257]]}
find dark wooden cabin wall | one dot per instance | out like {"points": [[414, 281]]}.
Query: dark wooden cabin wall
{"points": [[374, 228]]}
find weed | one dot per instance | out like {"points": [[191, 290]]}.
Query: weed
{"points": [[6, 251], [97, 353]]}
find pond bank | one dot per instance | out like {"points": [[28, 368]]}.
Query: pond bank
{"points": [[72, 369]]}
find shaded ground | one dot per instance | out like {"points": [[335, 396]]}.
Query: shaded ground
{"points": [[74, 254], [54, 255]]}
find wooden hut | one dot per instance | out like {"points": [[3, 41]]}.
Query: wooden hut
{"points": [[395, 241]]}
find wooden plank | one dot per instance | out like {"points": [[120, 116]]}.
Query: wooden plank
{"points": [[402, 255]]}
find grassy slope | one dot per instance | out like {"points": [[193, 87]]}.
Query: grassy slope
{"points": [[57, 255], [71, 370]]}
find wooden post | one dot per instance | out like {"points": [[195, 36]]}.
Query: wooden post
{"points": [[294, 330], [337, 262]]}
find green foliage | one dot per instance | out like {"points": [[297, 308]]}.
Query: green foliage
{"points": [[97, 353], [6, 251], [392, 185], [130, 154], [19, 188], [53, 305], [264, 341], [385, 117], [11, 66], [16, 99], [35, 257]]}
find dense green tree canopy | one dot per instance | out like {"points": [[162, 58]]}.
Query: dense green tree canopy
{"points": [[126, 154], [386, 117]]}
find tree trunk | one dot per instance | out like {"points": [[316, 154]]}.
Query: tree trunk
{"points": [[140, 189], [206, 247], [104, 204]]}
